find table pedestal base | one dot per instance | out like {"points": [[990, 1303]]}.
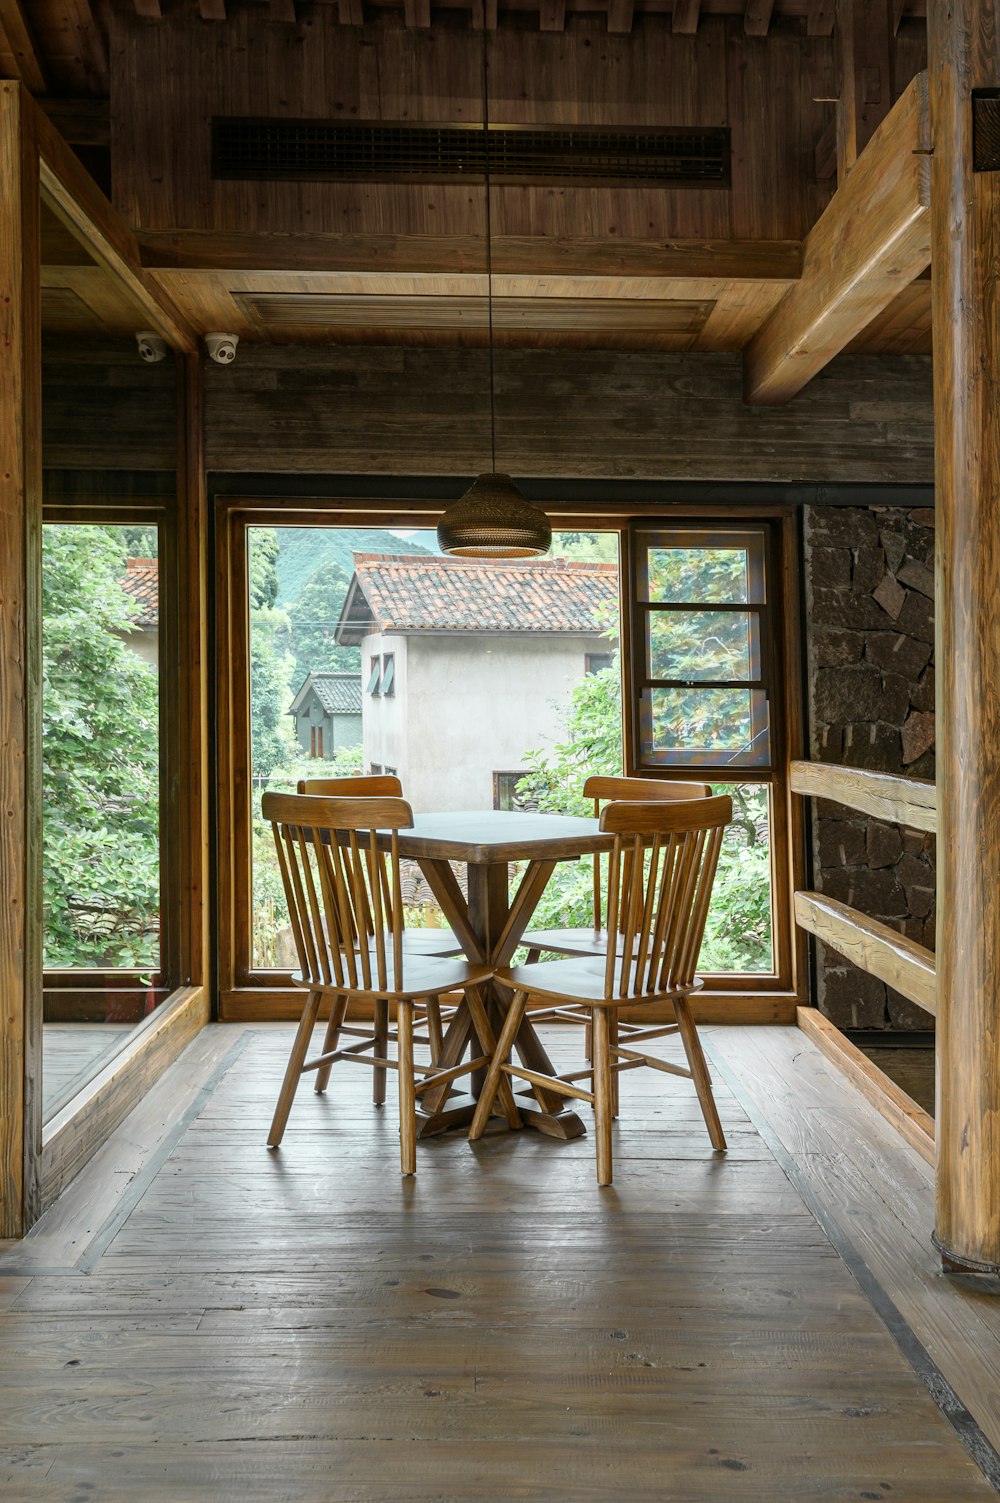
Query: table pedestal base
{"points": [[458, 1110]]}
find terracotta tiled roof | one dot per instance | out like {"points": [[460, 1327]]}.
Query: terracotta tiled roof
{"points": [[142, 583], [408, 593], [338, 693]]}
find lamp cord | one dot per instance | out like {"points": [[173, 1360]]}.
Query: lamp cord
{"points": [[489, 239]]}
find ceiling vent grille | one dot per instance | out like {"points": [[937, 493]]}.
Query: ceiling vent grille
{"points": [[368, 152]]}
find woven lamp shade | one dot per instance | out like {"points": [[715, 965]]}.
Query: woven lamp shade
{"points": [[493, 520]]}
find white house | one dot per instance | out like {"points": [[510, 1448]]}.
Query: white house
{"points": [[467, 666]]}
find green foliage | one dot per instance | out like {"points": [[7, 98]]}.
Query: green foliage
{"points": [[271, 666], [313, 617], [100, 758]]}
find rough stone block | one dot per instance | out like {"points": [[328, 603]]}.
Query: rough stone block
{"points": [[835, 882], [922, 693], [918, 576], [828, 743], [833, 647], [917, 735], [869, 567], [851, 998], [922, 516], [853, 526], [921, 901], [923, 767], [897, 653], [874, 746], [831, 567], [914, 871], [904, 1014], [840, 843], [861, 693], [890, 595], [916, 618], [843, 608], [913, 840], [883, 845], [878, 894], [893, 545]]}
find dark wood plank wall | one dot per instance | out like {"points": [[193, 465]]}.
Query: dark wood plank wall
{"points": [[774, 94], [102, 408], [572, 413]]}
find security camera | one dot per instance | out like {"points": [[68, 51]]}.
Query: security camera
{"points": [[222, 347], [152, 348]]}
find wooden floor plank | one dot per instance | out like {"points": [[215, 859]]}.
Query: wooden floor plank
{"points": [[231, 1323]]}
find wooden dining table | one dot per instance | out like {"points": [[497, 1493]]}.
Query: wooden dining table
{"points": [[489, 924]]}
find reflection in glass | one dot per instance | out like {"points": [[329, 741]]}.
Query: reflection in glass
{"points": [[724, 727], [712, 576], [703, 645]]}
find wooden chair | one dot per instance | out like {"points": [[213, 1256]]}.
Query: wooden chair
{"points": [[659, 885], [441, 941], [594, 941], [345, 905]]}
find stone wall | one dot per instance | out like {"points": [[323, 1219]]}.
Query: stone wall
{"points": [[870, 652]]}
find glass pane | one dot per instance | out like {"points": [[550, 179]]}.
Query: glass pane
{"points": [[539, 709], [724, 727], [709, 576], [101, 747], [709, 645], [738, 935]]}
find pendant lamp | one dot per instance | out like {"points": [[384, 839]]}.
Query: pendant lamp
{"points": [[492, 519]]}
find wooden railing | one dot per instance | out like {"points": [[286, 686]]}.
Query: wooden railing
{"points": [[883, 952]]}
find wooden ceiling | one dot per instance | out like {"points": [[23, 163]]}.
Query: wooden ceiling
{"points": [[801, 85]]}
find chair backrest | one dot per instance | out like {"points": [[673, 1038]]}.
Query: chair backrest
{"points": [[647, 790], [659, 886], [364, 785], [339, 861]]}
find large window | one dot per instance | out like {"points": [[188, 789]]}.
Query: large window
{"points": [[706, 701]]}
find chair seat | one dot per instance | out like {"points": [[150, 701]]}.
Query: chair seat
{"points": [[576, 980], [423, 976], [434, 942], [584, 942]]}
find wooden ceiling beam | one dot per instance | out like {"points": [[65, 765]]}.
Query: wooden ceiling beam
{"points": [[757, 17], [820, 18], [417, 13], [872, 239], [282, 11], [684, 21], [22, 47], [351, 12], [552, 15], [73, 196], [212, 10], [527, 255]]}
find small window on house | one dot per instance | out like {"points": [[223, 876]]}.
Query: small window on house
{"points": [[505, 794], [388, 673], [597, 662], [390, 772], [374, 675], [375, 769]]}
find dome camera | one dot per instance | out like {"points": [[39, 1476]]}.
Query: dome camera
{"points": [[222, 347], [152, 348]]}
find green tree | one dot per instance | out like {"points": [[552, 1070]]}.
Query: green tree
{"points": [[100, 757], [271, 665], [313, 617]]}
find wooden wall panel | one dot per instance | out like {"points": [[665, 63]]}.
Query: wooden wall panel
{"points": [[389, 410], [765, 91], [102, 408]]}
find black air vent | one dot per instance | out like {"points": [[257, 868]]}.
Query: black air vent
{"points": [[986, 130], [319, 150]]}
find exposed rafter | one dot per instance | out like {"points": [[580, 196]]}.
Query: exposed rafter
{"points": [[684, 21], [757, 17], [870, 242], [22, 47]]}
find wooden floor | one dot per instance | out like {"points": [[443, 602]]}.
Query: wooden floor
{"points": [[72, 1054], [200, 1319]]}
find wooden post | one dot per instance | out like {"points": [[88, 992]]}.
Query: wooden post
{"points": [[964, 54], [20, 664]]}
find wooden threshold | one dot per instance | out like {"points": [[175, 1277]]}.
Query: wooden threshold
{"points": [[888, 1099], [77, 1131]]}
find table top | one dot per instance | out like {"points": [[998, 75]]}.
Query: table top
{"points": [[487, 837]]}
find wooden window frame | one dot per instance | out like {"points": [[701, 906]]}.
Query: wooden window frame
{"points": [[247, 994]]}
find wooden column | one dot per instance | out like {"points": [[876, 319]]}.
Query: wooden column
{"points": [[964, 44], [20, 661]]}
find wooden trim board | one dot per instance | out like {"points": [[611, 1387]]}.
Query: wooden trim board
{"points": [[906, 801], [888, 1099], [883, 952]]}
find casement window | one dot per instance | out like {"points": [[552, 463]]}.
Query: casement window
{"points": [[388, 674]]}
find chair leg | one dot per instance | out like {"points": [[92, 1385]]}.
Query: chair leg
{"points": [[434, 1030], [699, 1069], [407, 1096], [501, 1055], [612, 1041], [294, 1069], [381, 1045], [603, 1107], [333, 1028]]}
